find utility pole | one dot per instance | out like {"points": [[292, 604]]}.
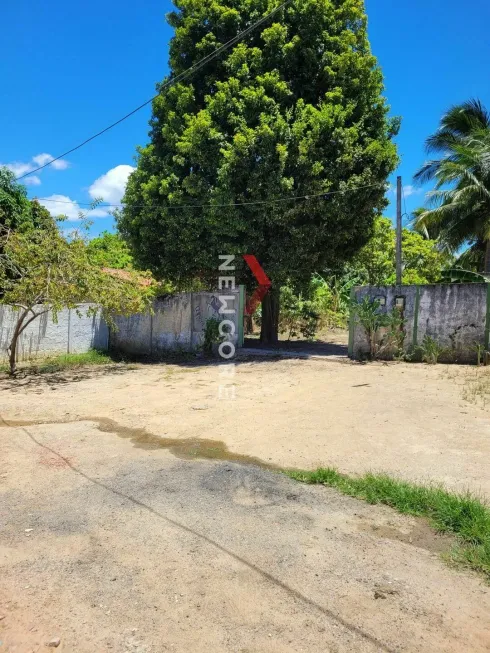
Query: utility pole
{"points": [[398, 231]]}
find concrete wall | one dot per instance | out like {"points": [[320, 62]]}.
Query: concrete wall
{"points": [[178, 322], [71, 334], [456, 315]]}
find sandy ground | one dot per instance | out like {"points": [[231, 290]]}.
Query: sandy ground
{"points": [[407, 419], [116, 535]]}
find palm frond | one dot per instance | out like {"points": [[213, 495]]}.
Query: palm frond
{"points": [[458, 207], [427, 172], [465, 118], [473, 257], [442, 141]]}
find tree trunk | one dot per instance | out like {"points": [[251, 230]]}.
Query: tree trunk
{"points": [[13, 351], [487, 257], [22, 324], [249, 325], [13, 344], [270, 318]]}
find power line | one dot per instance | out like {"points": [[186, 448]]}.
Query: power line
{"points": [[197, 66], [323, 195], [404, 201]]}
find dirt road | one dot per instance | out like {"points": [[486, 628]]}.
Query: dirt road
{"points": [[113, 547], [116, 536], [408, 420]]}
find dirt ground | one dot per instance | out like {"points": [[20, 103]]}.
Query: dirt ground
{"points": [[135, 515], [406, 419]]}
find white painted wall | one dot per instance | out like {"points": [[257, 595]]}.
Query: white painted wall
{"points": [[178, 322], [71, 334]]}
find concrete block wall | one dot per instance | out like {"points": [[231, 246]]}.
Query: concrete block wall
{"points": [[172, 323], [206, 306], [178, 322], [71, 334], [132, 334], [455, 315]]}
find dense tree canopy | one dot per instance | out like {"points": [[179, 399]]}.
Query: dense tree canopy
{"points": [[109, 250], [295, 109], [422, 260], [16, 210]]}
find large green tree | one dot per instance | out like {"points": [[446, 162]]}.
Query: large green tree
{"points": [[16, 210], [374, 264], [295, 109], [459, 205]]}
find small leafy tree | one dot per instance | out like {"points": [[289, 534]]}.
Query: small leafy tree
{"points": [[41, 272], [212, 335], [371, 320]]}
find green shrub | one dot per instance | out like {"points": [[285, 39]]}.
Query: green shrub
{"points": [[430, 350], [211, 335], [385, 332], [330, 295], [297, 316]]}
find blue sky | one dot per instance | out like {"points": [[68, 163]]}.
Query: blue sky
{"points": [[72, 69]]}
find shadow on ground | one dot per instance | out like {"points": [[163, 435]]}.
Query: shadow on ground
{"points": [[30, 377], [303, 348], [27, 378]]}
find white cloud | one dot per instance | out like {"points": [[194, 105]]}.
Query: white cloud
{"points": [[111, 186], [33, 180], [42, 159], [20, 168], [408, 190], [63, 205]]}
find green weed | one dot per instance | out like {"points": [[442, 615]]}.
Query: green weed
{"points": [[431, 350], [63, 361], [461, 514]]}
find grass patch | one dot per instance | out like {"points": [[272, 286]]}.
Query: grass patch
{"points": [[67, 361], [63, 362], [461, 514], [476, 387]]}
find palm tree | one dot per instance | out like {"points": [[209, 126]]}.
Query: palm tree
{"points": [[428, 231], [459, 205]]}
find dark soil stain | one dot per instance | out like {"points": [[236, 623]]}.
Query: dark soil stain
{"points": [[184, 448]]}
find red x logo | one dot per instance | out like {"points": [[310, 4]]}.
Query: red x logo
{"points": [[263, 287]]}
